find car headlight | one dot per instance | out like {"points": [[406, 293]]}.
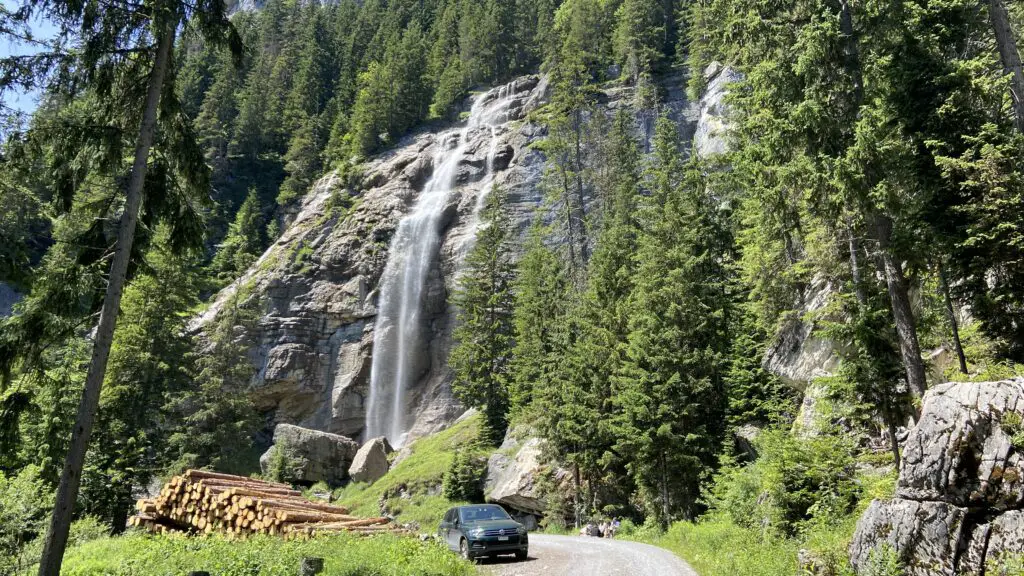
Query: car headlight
{"points": [[521, 530], [476, 532]]}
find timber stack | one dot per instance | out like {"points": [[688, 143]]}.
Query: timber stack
{"points": [[204, 502]]}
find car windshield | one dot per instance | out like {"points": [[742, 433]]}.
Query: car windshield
{"points": [[481, 513]]}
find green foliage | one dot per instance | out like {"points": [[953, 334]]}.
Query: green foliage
{"points": [[717, 547], [883, 561], [1013, 425], [244, 242], [794, 485], [463, 481], [1006, 564], [483, 334], [24, 506], [344, 555]]}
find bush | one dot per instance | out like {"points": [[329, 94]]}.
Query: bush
{"points": [[25, 502], [794, 483]]}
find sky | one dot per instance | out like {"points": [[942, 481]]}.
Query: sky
{"points": [[24, 102]]}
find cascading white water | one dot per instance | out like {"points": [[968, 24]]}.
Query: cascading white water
{"points": [[398, 344]]}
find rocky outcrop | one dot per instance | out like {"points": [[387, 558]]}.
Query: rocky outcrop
{"points": [[309, 456], [960, 495], [711, 136], [371, 461], [516, 476]]}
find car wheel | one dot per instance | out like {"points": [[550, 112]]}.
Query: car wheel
{"points": [[520, 554], [464, 549]]}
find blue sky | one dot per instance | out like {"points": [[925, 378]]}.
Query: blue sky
{"points": [[25, 102]]}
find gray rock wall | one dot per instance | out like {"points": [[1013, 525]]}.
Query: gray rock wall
{"points": [[960, 495]]}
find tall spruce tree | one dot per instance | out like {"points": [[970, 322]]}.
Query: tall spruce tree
{"points": [[670, 385], [483, 334]]}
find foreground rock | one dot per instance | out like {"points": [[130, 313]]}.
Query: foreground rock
{"points": [[517, 474], [960, 495], [310, 456], [371, 461]]}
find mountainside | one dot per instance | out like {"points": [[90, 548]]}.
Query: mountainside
{"points": [[318, 286], [746, 277]]}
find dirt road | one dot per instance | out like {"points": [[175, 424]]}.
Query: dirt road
{"points": [[583, 556]]}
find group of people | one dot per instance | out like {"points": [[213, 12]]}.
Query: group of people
{"points": [[606, 529]]}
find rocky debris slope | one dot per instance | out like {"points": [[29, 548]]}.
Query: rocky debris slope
{"points": [[310, 456], [960, 496]]}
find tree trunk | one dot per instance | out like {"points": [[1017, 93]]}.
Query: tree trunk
{"points": [[951, 317], [576, 493], [902, 313], [67, 492], [581, 199], [1010, 57], [854, 247]]}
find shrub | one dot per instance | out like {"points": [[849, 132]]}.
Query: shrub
{"points": [[24, 503], [464, 478], [792, 483], [882, 561]]}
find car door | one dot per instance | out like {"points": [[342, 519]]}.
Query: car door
{"points": [[454, 530], [447, 528]]}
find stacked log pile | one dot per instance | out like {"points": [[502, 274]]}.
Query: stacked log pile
{"points": [[200, 502]]}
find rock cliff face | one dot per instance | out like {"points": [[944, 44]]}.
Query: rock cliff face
{"points": [[316, 288], [960, 496]]}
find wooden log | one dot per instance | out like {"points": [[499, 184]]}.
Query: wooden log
{"points": [[206, 474]]}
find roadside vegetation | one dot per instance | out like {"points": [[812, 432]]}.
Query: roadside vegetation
{"points": [[344, 555]]}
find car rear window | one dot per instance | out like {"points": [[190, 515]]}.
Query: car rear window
{"points": [[481, 513]]}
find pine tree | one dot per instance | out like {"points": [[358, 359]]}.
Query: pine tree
{"points": [[540, 308], [244, 242], [670, 385], [483, 335]]}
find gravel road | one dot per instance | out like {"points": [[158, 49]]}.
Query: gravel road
{"points": [[583, 556]]}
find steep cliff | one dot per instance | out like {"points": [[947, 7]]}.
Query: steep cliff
{"points": [[317, 287]]}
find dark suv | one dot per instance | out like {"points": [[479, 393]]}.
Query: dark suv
{"points": [[483, 530]]}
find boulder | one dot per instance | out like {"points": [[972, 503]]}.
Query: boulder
{"points": [[371, 461], [960, 453], [311, 455], [513, 473], [959, 501], [925, 535]]}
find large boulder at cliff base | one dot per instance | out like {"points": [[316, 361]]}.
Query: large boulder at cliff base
{"points": [[371, 461], [959, 502], [309, 456], [515, 473]]}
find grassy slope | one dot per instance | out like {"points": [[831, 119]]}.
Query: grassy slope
{"points": [[419, 474], [344, 555]]}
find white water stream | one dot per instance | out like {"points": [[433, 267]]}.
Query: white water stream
{"points": [[400, 351]]}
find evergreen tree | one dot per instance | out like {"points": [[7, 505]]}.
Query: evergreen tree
{"points": [[483, 335], [244, 242], [670, 385], [540, 308]]}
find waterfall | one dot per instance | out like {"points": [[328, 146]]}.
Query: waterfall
{"points": [[399, 348]]}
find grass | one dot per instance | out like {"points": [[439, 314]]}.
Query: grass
{"points": [[716, 546], [412, 489], [720, 548], [344, 555]]}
